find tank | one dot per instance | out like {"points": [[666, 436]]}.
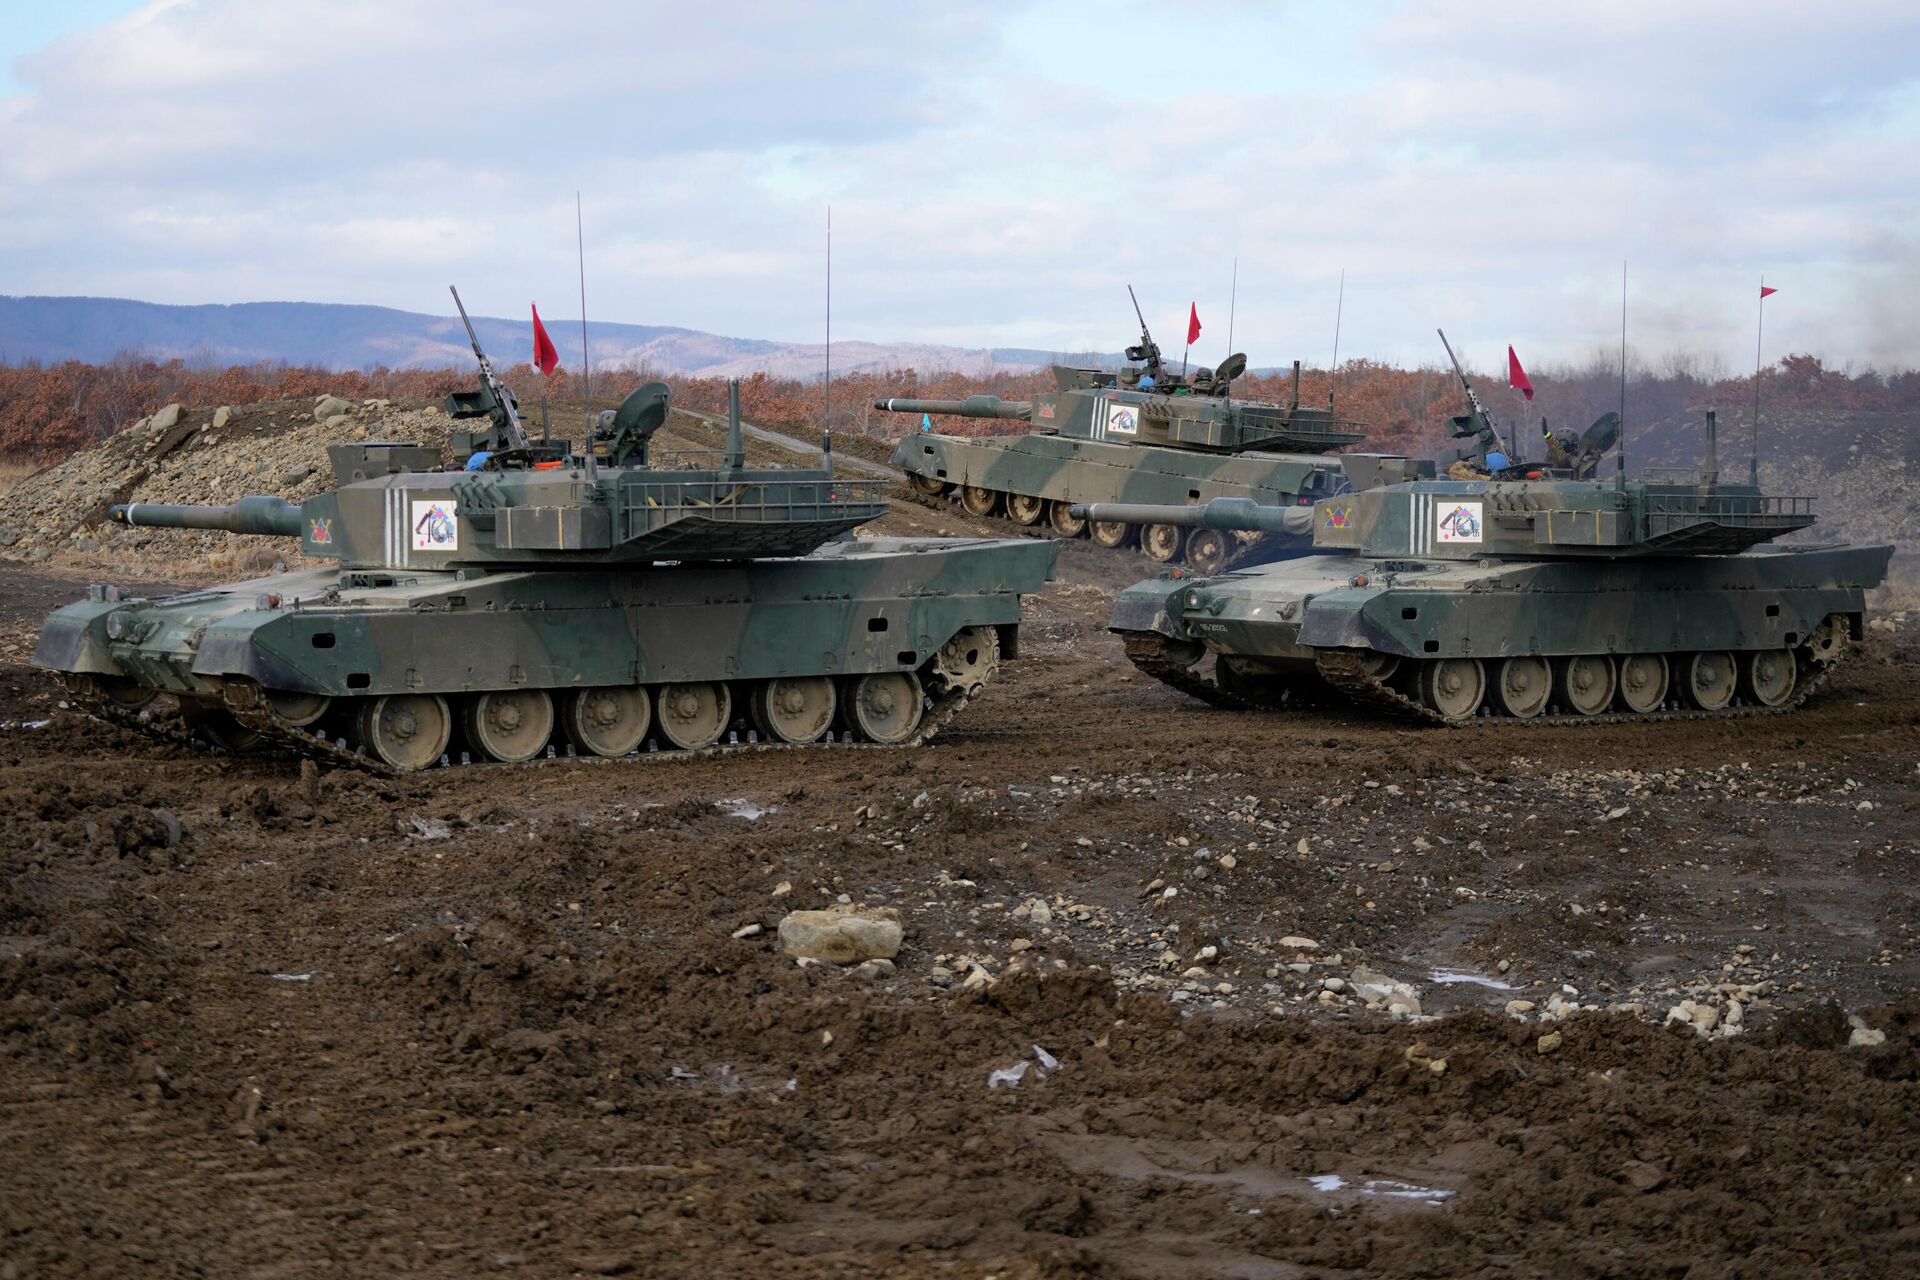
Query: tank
{"points": [[1144, 435], [1523, 594], [534, 600]]}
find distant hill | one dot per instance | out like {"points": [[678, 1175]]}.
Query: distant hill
{"points": [[334, 336]]}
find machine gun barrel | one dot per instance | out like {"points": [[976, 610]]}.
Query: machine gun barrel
{"points": [[971, 407], [258, 514], [516, 436], [1148, 352], [1479, 410], [1239, 515]]}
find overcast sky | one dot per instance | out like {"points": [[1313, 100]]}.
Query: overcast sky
{"points": [[997, 172]]}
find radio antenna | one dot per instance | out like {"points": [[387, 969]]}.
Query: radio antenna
{"points": [[1333, 370], [826, 378], [1759, 332], [1623, 371], [586, 364], [1233, 301]]}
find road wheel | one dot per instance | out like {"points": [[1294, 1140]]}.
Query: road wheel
{"points": [[405, 731], [694, 715], [1586, 684], [214, 723], [976, 501], [117, 691], [1162, 542], [1110, 533], [1643, 682], [1065, 523], [1208, 551], [1524, 686], [794, 709], [609, 721], [509, 725], [885, 706], [297, 710], [1454, 687], [1711, 679], [932, 486], [1025, 508], [1767, 676]]}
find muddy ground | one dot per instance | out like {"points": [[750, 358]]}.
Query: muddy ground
{"points": [[499, 1021]]}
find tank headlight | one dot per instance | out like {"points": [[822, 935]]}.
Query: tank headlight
{"points": [[116, 626]]}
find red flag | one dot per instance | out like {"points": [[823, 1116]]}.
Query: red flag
{"points": [[1516, 376], [1764, 291], [1193, 324], [545, 357]]}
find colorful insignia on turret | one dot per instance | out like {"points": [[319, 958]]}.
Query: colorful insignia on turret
{"points": [[1338, 513], [320, 530], [1460, 523]]}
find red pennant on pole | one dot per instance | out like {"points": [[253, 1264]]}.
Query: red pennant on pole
{"points": [[1193, 323], [546, 357], [1765, 290], [1516, 376]]}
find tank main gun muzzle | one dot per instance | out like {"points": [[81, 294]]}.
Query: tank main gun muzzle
{"points": [[270, 517], [1240, 515], [971, 407]]}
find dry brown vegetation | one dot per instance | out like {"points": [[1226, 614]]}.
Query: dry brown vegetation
{"points": [[48, 412]]}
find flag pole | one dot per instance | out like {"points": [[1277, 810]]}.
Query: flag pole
{"points": [[1759, 330]]}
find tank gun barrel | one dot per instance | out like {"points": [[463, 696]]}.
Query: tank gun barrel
{"points": [[971, 407], [267, 516], [1241, 515]]}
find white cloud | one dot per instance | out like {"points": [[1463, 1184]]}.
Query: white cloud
{"points": [[997, 174]]}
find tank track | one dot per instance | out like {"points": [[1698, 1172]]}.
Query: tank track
{"points": [[1345, 671], [1154, 654], [1243, 557], [248, 705]]}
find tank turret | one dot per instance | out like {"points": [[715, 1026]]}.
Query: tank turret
{"points": [[1143, 434], [535, 598], [1515, 596]]}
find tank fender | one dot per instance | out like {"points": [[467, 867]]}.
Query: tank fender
{"points": [[75, 639], [228, 652], [1340, 620], [1143, 607]]}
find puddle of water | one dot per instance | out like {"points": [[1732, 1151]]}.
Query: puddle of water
{"points": [[1471, 979], [1403, 1190], [1391, 1188], [738, 808]]}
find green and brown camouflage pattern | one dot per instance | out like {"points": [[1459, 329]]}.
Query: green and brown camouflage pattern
{"points": [[538, 579], [1420, 574], [1099, 437], [850, 608]]}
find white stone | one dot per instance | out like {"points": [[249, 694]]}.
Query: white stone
{"points": [[842, 935]]}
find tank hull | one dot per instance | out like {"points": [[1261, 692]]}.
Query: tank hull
{"points": [[846, 610], [1372, 628], [1062, 469]]}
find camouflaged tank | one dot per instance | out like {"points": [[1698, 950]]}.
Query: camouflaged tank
{"points": [[1523, 595], [1144, 435], [537, 601]]}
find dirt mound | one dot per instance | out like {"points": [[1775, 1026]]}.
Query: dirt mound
{"points": [[59, 514]]}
